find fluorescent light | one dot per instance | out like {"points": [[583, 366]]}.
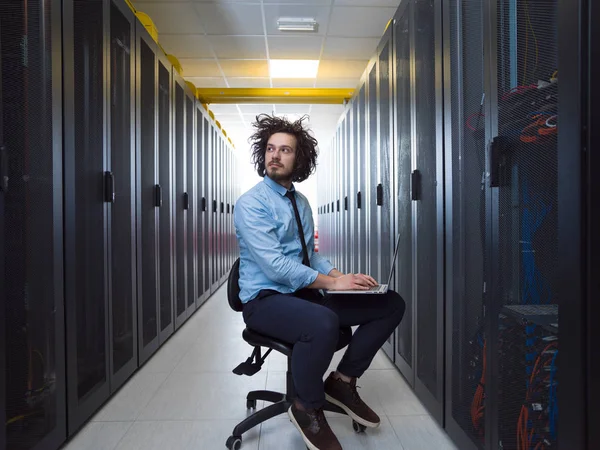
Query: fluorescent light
{"points": [[296, 24], [293, 68]]}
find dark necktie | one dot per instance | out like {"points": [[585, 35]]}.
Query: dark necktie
{"points": [[292, 197]]}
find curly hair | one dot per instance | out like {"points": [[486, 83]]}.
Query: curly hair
{"points": [[306, 147]]}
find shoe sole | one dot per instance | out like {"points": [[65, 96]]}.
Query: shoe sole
{"points": [[309, 444], [351, 413]]}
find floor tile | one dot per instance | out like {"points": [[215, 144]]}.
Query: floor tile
{"points": [[394, 394], [99, 436], [197, 396], [421, 433], [184, 435], [129, 401]]}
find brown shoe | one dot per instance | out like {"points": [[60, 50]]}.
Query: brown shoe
{"points": [[314, 428], [346, 397]]}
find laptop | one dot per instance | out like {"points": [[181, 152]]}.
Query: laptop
{"points": [[380, 288]]}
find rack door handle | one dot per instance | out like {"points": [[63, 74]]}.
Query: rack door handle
{"points": [[186, 201], [109, 187], [415, 185], [379, 194], [498, 149], [214, 206], [359, 200], [3, 168], [346, 203], [203, 204], [158, 196]]}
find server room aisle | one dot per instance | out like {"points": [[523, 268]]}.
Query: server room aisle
{"points": [[186, 397]]}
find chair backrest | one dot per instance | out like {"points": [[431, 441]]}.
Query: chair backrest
{"points": [[233, 287]]}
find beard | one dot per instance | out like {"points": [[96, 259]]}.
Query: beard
{"points": [[279, 174]]}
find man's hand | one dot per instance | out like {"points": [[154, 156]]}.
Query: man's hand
{"points": [[352, 281]]}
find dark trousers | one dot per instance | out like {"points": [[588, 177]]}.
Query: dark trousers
{"points": [[312, 324]]}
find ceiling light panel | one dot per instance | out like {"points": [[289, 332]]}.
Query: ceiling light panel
{"points": [[273, 14], [293, 68]]}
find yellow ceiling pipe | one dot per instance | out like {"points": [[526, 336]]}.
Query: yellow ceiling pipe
{"points": [[275, 95]]}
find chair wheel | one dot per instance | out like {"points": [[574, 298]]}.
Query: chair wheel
{"points": [[359, 428], [251, 404], [234, 443]]}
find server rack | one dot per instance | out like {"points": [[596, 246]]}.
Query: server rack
{"points": [[466, 257], [180, 188], [206, 207], [373, 253], [166, 199], [31, 203], [120, 192], [148, 194], [428, 218], [215, 224], [385, 240], [523, 216], [190, 198], [402, 161], [87, 228], [201, 139], [361, 195]]}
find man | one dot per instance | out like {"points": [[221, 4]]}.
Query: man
{"points": [[280, 278]]}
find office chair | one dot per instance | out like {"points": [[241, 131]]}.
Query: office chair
{"points": [[281, 402]]}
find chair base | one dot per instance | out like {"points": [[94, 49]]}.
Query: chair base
{"points": [[281, 403]]}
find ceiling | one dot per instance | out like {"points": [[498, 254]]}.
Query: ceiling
{"points": [[227, 43]]}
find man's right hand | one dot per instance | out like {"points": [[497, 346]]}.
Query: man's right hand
{"points": [[352, 281]]}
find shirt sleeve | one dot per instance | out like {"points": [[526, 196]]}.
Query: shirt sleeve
{"points": [[256, 228]]}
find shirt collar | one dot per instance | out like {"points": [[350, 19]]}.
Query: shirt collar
{"points": [[277, 187]]}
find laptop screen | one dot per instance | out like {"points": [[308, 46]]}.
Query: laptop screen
{"points": [[394, 260]]}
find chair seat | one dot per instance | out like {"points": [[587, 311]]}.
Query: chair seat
{"points": [[256, 339]]}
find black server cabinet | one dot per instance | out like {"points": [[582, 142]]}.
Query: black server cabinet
{"points": [[31, 205], [201, 134], [148, 194], [403, 277], [220, 183], [119, 185], [354, 187], [206, 207], [524, 212], [180, 188], [385, 240], [344, 251], [347, 197], [361, 195], [573, 424], [428, 217], [166, 199], [190, 199], [372, 116], [214, 208], [466, 256], [86, 209]]}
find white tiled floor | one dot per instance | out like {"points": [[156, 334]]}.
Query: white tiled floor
{"points": [[186, 397]]}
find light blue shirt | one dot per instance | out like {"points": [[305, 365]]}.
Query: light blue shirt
{"points": [[269, 241]]}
